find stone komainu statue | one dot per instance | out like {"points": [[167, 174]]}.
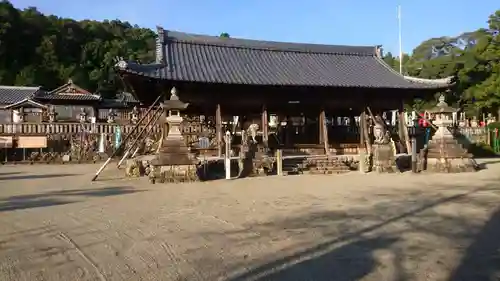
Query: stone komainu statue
{"points": [[380, 133], [252, 131]]}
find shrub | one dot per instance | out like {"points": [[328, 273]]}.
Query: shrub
{"points": [[481, 150], [494, 125]]}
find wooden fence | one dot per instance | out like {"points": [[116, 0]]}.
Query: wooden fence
{"points": [[61, 136], [68, 128]]}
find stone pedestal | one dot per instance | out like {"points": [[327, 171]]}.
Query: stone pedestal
{"points": [[444, 154], [383, 158], [174, 162], [383, 152]]}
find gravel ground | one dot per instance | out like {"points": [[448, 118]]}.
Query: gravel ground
{"points": [[57, 225]]}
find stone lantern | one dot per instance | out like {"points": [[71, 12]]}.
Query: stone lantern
{"points": [[52, 114], [174, 162], [111, 118], [444, 153], [474, 123], [22, 115], [443, 118], [134, 115], [83, 115], [490, 119]]}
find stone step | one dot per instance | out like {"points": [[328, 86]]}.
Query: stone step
{"points": [[329, 172]]}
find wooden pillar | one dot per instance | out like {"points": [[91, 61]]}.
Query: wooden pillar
{"points": [[265, 126], [366, 132], [403, 129], [323, 131], [218, 129], [279, 162], [362, 151], [362, 121]]}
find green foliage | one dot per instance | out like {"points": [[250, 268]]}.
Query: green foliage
{"points": [[481, 150], [46, 50], [494, 125], [473, 58], [36, 49]]}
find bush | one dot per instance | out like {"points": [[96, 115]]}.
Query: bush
{"points": [[481, 150], [494, 125]]}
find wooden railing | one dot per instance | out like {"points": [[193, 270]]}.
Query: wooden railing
{"points": [[472, 131], [107, 128], [67, 128]]}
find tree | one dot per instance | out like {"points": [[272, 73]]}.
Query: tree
{"points": [[36, 49], [472, 57], [479, 74], [47, 50]]}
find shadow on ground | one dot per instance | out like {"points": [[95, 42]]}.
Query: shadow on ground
{"points": [[32, 177], [481, 261], [347, 247], [10, 173], [348, 262], [63, 197], [484, 164]]}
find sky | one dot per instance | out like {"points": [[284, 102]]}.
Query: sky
{"points": [[341, 22]]}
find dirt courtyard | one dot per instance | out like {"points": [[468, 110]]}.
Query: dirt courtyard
{"points": [[57, 225]]}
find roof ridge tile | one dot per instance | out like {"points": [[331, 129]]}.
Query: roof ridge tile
{"points": [[252, 44]]}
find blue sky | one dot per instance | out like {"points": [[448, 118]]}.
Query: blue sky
{"points": [[354, 22]]}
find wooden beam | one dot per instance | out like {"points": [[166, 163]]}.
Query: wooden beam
{"points": [[265, 126], [218, 129], [362, 121], [403, 133], [366, 133], [363, 149], [323, 131], [321, 120]]}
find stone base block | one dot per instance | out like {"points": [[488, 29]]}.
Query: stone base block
{"points": [[174, 173], [383, 158], [451, 165], [133, 168]]}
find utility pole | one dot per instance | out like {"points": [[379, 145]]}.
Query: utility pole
{"points": [[400, 41]]}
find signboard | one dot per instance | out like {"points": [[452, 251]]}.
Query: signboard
{"points": [[118, 137], [6, 142], [32, 142]]}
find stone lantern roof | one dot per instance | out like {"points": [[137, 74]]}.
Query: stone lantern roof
{"points": [[174, 103], [442, 107]]}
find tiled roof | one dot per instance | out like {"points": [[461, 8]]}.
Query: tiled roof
{"points": [[210, 59], [69, 91], [440, 81], [80, 97], [13, 94], [25, 102], [123, 99], [126, 97]]}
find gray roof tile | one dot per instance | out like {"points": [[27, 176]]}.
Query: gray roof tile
{"points": [[210, 59], [68, 92], [123, 99], [13, 94], [79, 97]]}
